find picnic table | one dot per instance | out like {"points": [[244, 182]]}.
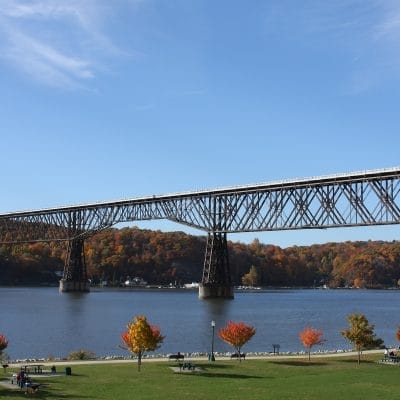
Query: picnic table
{"points": [[33, 368], [187, 365]]}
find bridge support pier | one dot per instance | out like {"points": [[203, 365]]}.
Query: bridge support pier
{"points": [[75, 277], [216, 281]]}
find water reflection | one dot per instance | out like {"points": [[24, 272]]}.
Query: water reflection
{"points": [[217, 310], [74, 318], [75, 303]]}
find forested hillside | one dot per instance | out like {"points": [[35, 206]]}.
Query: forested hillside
{"points": [[162, 258]]}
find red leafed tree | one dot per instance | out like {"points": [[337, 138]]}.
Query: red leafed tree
{"points": [[311, 337], [3, 344], [237, 334], [398, 334]]}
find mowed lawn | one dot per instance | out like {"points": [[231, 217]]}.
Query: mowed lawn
{"points": [[321, 379]]}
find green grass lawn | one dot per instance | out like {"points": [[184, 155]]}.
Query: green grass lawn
{"points": [[322, 379]]}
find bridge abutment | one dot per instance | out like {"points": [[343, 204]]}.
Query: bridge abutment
{"points": [[75, 276], [216, 281]]}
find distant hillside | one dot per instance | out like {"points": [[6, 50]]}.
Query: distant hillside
{"points": [[161, 258]]}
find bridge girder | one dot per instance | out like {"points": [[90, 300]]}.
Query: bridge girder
{"points": [[338, 201], [357, 199]]}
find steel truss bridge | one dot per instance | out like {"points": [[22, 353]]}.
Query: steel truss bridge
{"points": [[341, 200]]}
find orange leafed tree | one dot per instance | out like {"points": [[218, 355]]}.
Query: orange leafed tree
{"points": [[311, 337], [140, 337], [237, 334], [398, 334]]}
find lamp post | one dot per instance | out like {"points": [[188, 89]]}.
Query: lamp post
{"points": [[212, 358]]}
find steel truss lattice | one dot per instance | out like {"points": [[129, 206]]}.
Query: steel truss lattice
{"points": [[360, 199], [344, 200]]}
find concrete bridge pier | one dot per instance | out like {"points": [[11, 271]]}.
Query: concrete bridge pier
{"points": [[75, 276], [216, 281]]}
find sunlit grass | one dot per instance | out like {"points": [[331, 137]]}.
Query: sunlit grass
{"points": [[330, 378]]}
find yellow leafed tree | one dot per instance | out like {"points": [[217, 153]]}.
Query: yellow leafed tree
{"points": [[140, 336]]}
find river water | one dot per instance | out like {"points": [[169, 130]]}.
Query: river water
{"points": [[41, 322]]}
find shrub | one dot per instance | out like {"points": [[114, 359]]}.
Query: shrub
{"points": [[81, 354]]}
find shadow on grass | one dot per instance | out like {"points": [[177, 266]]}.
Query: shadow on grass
{"points": [[205, 366], [300, 363], [40, 394], [354, 361], [214, 366], [230, 376]]}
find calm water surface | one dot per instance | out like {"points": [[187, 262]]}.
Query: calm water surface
{"points": [[41, 322]]}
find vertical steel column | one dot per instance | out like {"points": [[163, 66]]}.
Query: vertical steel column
{"points": [[216, 281], [75, 276]]}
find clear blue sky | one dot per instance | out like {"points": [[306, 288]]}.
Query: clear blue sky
{"points": [[103, 100]]}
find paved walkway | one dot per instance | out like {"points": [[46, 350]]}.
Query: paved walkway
{"points": [[179, 370], [219, 358]]}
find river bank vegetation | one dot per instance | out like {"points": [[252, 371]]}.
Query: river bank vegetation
{"points": [[157, 257]]}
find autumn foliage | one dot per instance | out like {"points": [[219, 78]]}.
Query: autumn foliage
{"points": [[140, 337], [3, 343], [311, 337], [160, 258], [361, 333], [237, 334], [398, 334]]}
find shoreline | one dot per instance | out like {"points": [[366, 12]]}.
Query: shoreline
{"points": [[241, 289], [195, 356]]}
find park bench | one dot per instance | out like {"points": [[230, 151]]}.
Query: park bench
{"points": [[177, 356], [236, 355], [393, 359]]}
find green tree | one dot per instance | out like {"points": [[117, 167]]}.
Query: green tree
{"points": [[361, 334]]}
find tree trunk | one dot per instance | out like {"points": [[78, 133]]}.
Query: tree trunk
{"points": [[139, 360], [309, 354], [359, 355]]}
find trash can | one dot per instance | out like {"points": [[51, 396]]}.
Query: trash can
{"points": [[68, 371]]}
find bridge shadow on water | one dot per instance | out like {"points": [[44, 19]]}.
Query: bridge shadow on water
{"points": [[217, 309]]}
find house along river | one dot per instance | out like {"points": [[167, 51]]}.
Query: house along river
{"points": [[41, 322]]}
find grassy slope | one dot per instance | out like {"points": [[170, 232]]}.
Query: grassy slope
{"points": [[284, 379]]}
